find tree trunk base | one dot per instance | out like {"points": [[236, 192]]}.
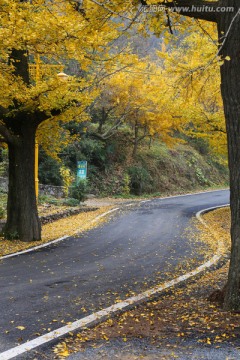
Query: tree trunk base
{"points": [[22, 213], [217, 296]]}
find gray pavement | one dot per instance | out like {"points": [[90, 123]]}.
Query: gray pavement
{"points": [[138, 248], [141, 349]]}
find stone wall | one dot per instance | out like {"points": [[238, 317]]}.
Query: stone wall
{"points": [[56, 191]]}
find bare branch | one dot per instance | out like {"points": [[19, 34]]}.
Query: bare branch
{"points": [[110, 131], [228, 32], [207, 33], [111, 11], [169, 23]]}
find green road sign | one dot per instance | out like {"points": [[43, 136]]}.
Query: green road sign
{"points": [[81, 170]]}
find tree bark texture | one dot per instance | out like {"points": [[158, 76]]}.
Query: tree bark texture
{"points": [[229, 24], [22, 216]]}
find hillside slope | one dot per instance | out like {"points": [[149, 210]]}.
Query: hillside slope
{"points": [[155, 169]]}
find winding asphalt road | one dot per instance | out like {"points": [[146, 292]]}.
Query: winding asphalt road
{"points": [[139, 247]]}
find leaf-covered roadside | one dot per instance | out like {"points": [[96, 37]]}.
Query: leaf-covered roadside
{"points": [[181, 320], [57, 229]]}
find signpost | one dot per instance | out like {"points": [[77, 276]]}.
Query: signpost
{"points": [[81, 170]]}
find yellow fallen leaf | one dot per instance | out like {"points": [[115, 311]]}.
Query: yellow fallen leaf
{"points": [[64, 353], [20, 327]]}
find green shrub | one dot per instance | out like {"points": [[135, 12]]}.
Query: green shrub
{"points": [[79, 190], [3, 162], [54, 201], [71, 202], [49, 199], [140, 180], [125, 189], [2, 212], [48, 170], [10, 235], [3, 168]]}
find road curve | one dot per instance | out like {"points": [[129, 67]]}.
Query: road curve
{"points": [[139, 247]]}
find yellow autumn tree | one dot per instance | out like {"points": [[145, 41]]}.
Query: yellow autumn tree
{"points": [[141, 98], [197, 85], [33, 35]]}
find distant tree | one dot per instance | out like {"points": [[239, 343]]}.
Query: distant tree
{"points": [[197, 86], [132, 98]]}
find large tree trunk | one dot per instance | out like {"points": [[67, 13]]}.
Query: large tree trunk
{"points": [[22, 216], [229, 23]]}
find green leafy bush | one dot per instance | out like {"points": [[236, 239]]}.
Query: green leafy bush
{"points": [[125, 189], [49, 170], [71, 202], [2, 212], [54, 201], [140, 180], [79, 190]]}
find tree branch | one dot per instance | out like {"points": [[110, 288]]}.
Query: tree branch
{"points": [[6, 134], [110, 11], [110, 131], [169, 23], [228, 32]]}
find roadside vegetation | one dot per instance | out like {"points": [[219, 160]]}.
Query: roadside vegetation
{"points": [[155, 169]]}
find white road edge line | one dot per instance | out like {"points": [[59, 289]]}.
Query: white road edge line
{"points": [[100, 315], [57, 240]]}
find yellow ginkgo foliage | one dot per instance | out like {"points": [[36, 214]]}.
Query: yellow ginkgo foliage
{"points": [[196, 79], [35, 36], [142, 99]]}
